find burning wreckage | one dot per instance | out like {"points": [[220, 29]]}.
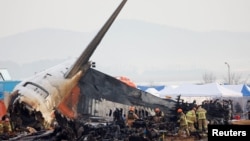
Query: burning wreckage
{"points": [[89, 125], [73, 101]]}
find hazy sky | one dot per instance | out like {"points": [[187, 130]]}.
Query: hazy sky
{"points": [[85, 15], [89, 15]]}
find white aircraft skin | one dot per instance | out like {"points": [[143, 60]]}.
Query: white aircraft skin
{"points": [[44, 91]]}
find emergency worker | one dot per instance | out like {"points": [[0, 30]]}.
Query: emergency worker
{"points": [[1, 127], [131, 116], [6, 124], [158, 117], [202, 119], [191, 119], [248, 109], [183, 123]]}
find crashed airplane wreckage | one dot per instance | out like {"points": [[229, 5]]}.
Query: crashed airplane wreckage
{"points": [[72, 91], [66, 96]]}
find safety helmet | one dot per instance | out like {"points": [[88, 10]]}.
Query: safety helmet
{"points": [[131, 108], [157, 110], [179, 110]]}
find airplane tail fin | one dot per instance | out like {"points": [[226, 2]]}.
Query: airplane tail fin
{"points": [[82, 61]]}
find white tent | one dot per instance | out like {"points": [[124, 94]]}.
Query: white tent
{"points": [[153, 91], [236, 88], [167, 92], [211, 89], [191, 92]]}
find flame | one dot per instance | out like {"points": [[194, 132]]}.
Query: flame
{"points": [[68, 106]]}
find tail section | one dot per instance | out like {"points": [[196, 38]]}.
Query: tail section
{"points": [[82, 62]]}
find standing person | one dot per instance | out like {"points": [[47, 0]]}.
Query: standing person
{"points": [[191, 119], [1, 127], [158, 117], [248, 109], [6, 124], [202, 118], [183, 123], [131, 116]]}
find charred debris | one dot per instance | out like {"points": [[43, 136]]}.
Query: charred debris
{"points": [[95, 128]]}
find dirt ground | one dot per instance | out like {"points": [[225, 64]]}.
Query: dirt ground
{"points": [[241, 122]]}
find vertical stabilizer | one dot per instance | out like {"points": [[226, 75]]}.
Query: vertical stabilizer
{"points": [[82, 61]]}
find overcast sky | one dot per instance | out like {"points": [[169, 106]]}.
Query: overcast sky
{"points": [[85, 15], [89, 15]]}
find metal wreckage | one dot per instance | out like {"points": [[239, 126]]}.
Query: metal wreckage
{"points": [[73, 101]]}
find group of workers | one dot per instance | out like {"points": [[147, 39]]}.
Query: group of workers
{"points": [[192, 121], [188, 120], [132, 116]]}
